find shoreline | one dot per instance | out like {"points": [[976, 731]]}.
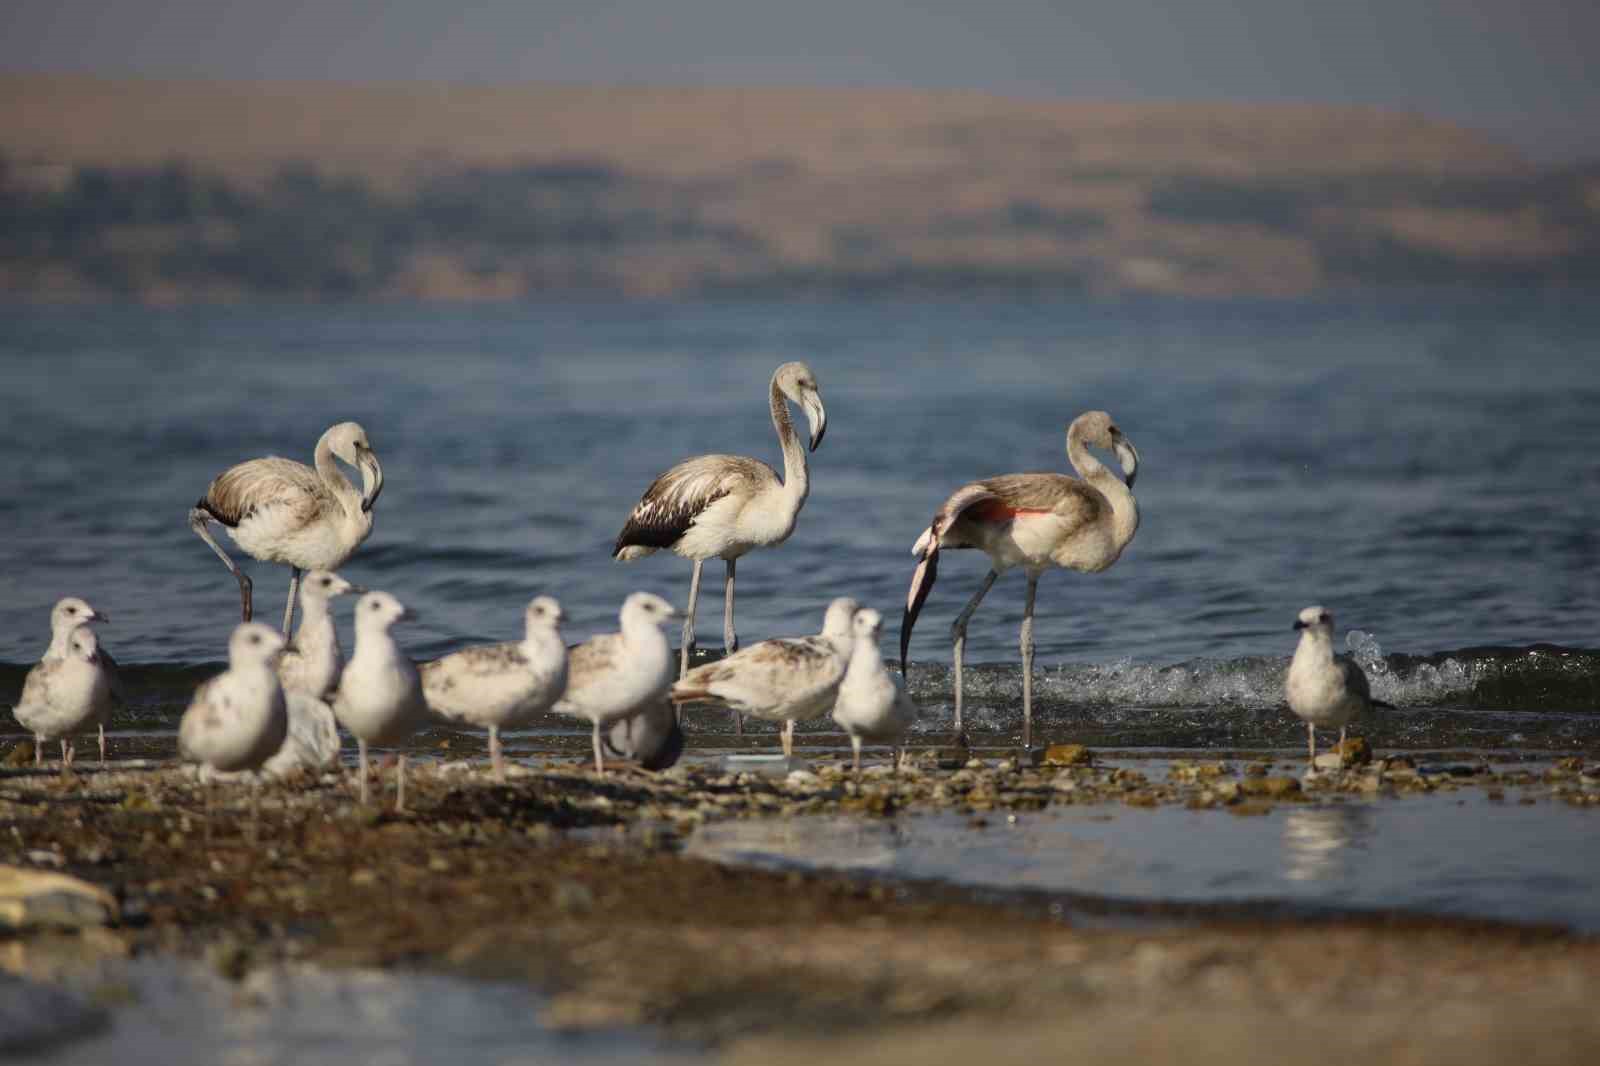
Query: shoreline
{"points": [[620, 930]]}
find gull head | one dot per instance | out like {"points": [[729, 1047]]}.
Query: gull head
{"points": [[544, 612], [83, 644], [868, 623], [1317, 619], [253, 642], [380, 609], [836, 623], [71, 611], [648, 608]]}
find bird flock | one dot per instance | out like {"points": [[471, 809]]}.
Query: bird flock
{"points": [[278, 707]]}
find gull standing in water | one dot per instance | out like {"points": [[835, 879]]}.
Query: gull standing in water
{"points": [[722, 506], [614, 676], [781, 680], [282, 511], [1035, 521], [68, 614], [873, 703], [380, 693], [496, 685], [66, 695], [238, 719], [1321, 689]]}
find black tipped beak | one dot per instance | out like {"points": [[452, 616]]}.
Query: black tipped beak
{"points": [[921, 584], [1300, 625], [816, 438]]}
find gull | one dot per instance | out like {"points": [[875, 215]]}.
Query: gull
{"points": [[781, 680], [66, 695], [312, 661], [69, 613], [282, 511], [497, 685], [722, 506], [238, 719], [380, 693], [652, 738], [1035, 521], [614, 676], [872, 703], [1321, 689]]}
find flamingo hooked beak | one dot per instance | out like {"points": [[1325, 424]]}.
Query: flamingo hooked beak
{"points": [[817, 415], [1128, 456], [371, 479]]}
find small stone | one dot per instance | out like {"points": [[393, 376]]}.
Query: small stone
{"points": [[572, 897], [1068, 755], [363, 877], [1276, 787], [36, 899], [1353, 751], [20, 755], [1572, 764]]}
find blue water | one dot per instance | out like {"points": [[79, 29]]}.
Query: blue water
{"points": [[1427, 469]]}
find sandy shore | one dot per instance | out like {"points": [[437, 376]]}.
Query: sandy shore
{"points": [[573, 884]]}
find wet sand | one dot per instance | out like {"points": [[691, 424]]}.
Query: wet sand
{"points": [[574, 885]]}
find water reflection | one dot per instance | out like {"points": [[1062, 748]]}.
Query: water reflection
{"points": [[1323, 843]]}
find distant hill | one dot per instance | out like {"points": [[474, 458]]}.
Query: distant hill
{"points": [[170, 190]]}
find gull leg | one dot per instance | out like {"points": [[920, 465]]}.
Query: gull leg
{"points": [[855, 752], [495, 758], [958, 634], [102, 746], [400, 786], [198, 521], [687, 647], [38, 751], [730, 639], [361, 769], [788, 738], [294, 591], [66, 756], [208, 811], [1027, 664], [1311, 745], [255, 807], [599, 760]]}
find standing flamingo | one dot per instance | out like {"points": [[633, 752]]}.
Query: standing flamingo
{"points": [[281, 511], [722, 506], [1035, 521]]}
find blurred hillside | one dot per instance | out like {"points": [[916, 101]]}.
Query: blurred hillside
{"points": [[170, 191]]}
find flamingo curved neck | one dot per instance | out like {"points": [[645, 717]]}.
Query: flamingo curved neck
{"points": [[796, 477], [1124, 507], [328, 470]]}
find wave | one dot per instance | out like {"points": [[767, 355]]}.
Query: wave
{"points": [[1539, 677]]}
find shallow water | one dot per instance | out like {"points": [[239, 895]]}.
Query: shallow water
{"points": [[1418, 466], [1453, 853], [178, 1012]]}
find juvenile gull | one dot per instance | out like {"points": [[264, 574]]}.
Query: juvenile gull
{"points": [[66, 695], [238, 719], [380, 694], [69, 613], [722, 506], [872, 704], [282, 511], [613, 676], [781, 680], [1321, 689], [497, 685], [313, 659], [652, 738], [1035, 521]]}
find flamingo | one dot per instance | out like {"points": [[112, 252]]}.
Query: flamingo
{"points": [[722, 506], [1036, 521], [281, 511]]}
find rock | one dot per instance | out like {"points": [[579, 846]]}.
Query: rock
{"points": [[1068, 755], [37, 1018], [20, 755], [1276, 787], [572, 897], [1354, 751], [37, 899], [1572, 764], [954, 755], [1329, 760]]}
